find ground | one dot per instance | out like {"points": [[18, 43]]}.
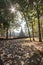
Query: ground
{"points": [[21, 52]]}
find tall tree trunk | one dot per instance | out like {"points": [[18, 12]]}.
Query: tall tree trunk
{"points": [[28, 31], [10, 34], [1, 34], [33, 32], [29, 34], [40, 40], [7, 33], [42, 28], [42, 32], [28, 28]]}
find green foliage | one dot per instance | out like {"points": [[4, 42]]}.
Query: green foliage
{"points": [[29, 8]]}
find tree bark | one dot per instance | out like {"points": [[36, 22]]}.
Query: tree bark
{"points": [[40, 40], [29, 34], [28, 29], [33, 32], [7, 33]]}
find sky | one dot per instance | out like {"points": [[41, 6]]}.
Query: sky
{"points": [[22, 26], [22, 22]]}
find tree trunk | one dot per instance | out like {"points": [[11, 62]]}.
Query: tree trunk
{"points": [[7, 33], [29, 34], [10, 34], [28, 29], [33, 32], [42, 32], [42, 28], [40, 40]]}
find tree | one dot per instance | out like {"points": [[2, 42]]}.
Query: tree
{"points": [[26, 19], [36, 4]]}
